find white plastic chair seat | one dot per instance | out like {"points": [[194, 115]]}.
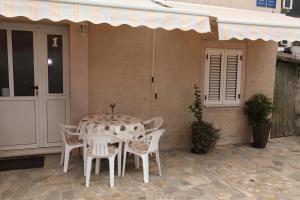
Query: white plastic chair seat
{"points": [[138, 146], [111, 150], [74, 140]]}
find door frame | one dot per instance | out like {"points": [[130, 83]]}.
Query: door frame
{"points": [[40, 72]]}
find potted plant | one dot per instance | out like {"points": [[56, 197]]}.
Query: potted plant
{"points": [[258, 109], [204, 135]]}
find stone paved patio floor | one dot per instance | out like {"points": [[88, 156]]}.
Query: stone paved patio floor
{"points": [[229, 172]]}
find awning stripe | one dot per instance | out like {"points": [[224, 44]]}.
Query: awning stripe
{"points": [[229, 31], [113, 12]]}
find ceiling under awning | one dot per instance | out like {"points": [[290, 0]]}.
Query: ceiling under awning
{"points": [[149, 13], [248, 24]]}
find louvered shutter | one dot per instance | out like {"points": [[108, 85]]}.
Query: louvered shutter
{"points": [[213, 78], [232, 76], [223, 77]]}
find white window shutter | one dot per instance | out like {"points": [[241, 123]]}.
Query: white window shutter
{"points": [[213, 76], [232, 79]]}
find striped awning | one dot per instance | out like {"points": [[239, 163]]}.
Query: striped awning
{"points": [[229, 29], [249, 24], [149, 13]]}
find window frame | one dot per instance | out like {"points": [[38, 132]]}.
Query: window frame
{"points": [[223, 102], [284, 7]]}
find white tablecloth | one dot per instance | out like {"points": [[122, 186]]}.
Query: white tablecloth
{"points": [[122, 126]]}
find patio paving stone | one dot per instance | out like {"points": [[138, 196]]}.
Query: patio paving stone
{"points": [[230, 172]]}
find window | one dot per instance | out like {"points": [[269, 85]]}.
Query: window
{"points": [[223, 77], [287, 4]]}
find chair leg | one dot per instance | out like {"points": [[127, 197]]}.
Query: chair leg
{"points": [[146, 167], [84, 158], [124, 163], [97, 168], [62, 155], [158, 162], [120, 159], [88, 171], [112, 171], [66, 161], [82, 154], [137, 161]]}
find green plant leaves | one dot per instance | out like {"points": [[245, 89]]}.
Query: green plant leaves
{"points": [[204, 137], [196, 107], [258, 108]]}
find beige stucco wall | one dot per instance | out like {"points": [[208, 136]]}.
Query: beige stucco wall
{"points": [[120, 70], [120, 60], [261, 60], [242, 4], [78, 74]]}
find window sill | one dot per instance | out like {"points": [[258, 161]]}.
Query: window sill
{"points": [[222, 105]]}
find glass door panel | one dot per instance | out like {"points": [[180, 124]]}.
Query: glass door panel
{"points": [[55, 64], [4, 77], [23, 63]]}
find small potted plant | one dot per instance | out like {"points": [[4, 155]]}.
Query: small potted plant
{"points": [[204, 135], [258, 109]]}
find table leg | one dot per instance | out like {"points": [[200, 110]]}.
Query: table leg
{"points": [[120, 158]]}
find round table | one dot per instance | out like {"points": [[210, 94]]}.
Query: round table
{"points": [[123, 126]]}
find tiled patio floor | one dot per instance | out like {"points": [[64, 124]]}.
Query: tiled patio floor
{"points": [[230, 172]]}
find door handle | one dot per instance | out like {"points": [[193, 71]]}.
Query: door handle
{"points": [[34, 87]]}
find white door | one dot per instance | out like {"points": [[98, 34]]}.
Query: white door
{"points": [[34, 95], [55, 83]]}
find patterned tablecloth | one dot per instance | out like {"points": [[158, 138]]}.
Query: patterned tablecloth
{"points": [[123, 126]]}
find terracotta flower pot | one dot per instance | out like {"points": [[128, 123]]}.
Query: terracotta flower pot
{"points": [[261, 136]]}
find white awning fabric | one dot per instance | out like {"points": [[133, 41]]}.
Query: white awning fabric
{"points": [[247, 24], [232, 23], [149, 13]]}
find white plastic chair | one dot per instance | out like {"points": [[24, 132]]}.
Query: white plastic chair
{"points": [[85, 152], [71, 141], [98, 147], [153, 124], [150, 125], [143, 147]]}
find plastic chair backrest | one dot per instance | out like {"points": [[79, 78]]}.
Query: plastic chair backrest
{"points": [[153, 139], [99, 143], [63, 132], [156, 122]]}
